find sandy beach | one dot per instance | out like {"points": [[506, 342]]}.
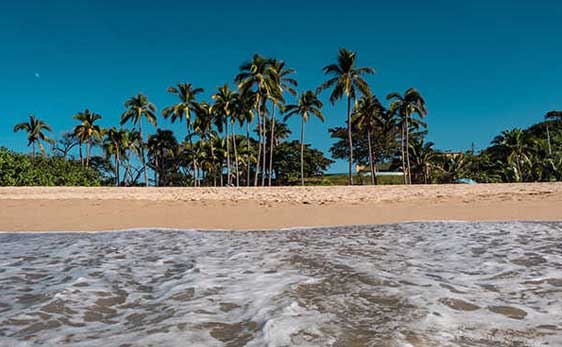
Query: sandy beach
{"points": [[91, 209]]}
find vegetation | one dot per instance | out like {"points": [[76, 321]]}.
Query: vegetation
{"points": [[35, 130], [240, 137], [21, 170], [347, 81], [308, 105]]}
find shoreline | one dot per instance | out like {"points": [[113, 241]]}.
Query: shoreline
{"points": [[67, 209]]}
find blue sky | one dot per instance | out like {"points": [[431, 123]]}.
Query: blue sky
{"points": [[482, 66]]}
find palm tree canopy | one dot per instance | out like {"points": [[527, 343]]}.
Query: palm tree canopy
{"points": [[308, 105], [260, 75], [163, 142], [187, 95], [137, 107], [35, 129], [116, 141], [87, 129], [225, 100], [347, 78], [369, 113], [408, 104], [286, 83], [554, 115], [206, 118]]}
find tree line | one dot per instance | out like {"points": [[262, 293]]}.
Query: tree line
{"points": [[239, 137]]}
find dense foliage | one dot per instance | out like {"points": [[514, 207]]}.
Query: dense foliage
{"points": [[240, 138], [517, 155], [22, 170]]}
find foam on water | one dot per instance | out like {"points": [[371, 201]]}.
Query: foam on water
{"points": [[414, 284]]}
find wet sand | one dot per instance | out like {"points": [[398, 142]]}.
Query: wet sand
{"points": [[91, 209]]}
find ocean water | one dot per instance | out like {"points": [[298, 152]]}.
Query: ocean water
{"points": [[413, 284]]}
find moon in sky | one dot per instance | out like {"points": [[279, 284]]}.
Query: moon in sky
{"points": [[37, 75]]}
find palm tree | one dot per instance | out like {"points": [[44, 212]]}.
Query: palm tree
{"points": [[161, 148], [308, 105], [132, 145], [261, 77], [516, 146], [422, 157], [551, 116], [116, 144], [182, 111], [87, 131], [246, 115], [204, 127], [368, 115], [35, 129], [139, 107], [405, 106], [288, 84], [225, 103], [347, 80]]}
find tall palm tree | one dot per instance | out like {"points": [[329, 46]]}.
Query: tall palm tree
{"points": [[116, 144], [35, 129], [347, 80], [287, 84], [182, 111], [87, 131], [139, 107], [406, 106], [225, 103], [204, 127], [261, 77], [368, 115], [246, 116], [132, 145], [308, 105], [551, 116]]}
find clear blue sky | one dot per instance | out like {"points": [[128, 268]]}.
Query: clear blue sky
{"points": [[482, 66]]}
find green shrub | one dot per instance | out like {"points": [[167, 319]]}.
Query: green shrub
{"points": [[20, 170]]}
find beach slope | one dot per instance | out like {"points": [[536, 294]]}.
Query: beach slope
{"points": [[92, 209]]}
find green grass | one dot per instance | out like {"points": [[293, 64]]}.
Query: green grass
{"points": [[341, 180]]}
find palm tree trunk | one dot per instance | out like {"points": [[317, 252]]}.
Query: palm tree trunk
{"points": [[213, 163], [259, 142], [117, 167], [375, 168], [220, 171], [33, 151], [271, 145], [89, 154], [142, 152], [156, 176], [248, 154], [408, 152], [228, 178], [193, 161], [264, 152], [81, 156], [235, 155], [302, 152], [350, 140], [548, 139], [403, 156], [126, 174], [370, 156]]}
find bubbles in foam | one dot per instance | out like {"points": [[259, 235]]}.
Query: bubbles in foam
{"points": [[414, 284]]}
